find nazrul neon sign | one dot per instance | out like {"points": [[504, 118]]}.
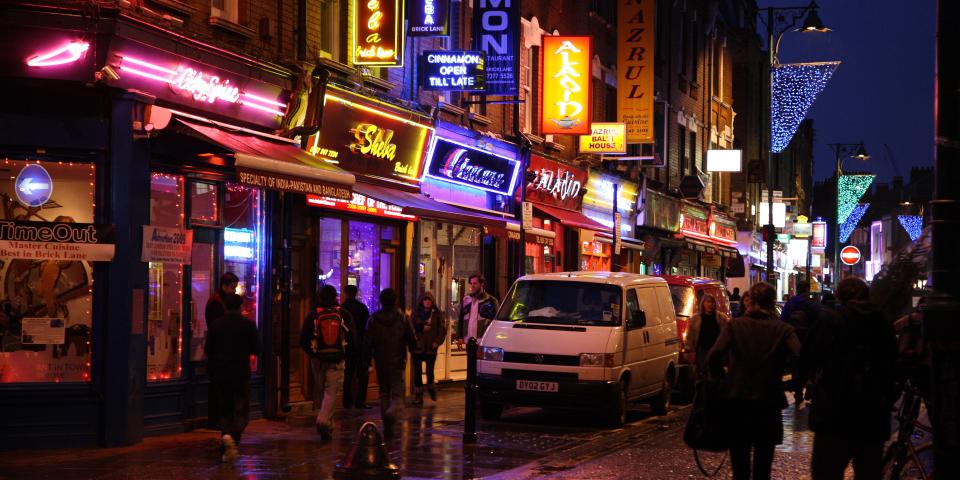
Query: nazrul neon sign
{"points": [[377, 36], [67, 53], [566, 85], [201, 86]]}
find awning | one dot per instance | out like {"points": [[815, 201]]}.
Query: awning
{"points": [[625, 242], [417, 204], [711, 248], [263, 163], [571, 218]]}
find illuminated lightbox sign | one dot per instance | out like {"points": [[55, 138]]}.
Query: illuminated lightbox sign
{"points": [[565, 90], [363, 138], [239, 244], [609, 138], [183, 81], [428, 18], [819, 237], [453, 71], [457, 163], [724, 160], [378, 33], [555, 184], [361, 204], [496, 31]]}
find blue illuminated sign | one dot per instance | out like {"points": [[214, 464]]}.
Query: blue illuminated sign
{"points": [[238, 244], [455, 70], [428, 18], [496, 31], [464, 165], [33, 185]]}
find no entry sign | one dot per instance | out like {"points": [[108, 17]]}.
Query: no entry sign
{"points": [[850, 255]]}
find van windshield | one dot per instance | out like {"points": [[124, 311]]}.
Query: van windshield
{"points": [[562, 303], [684, 301]]}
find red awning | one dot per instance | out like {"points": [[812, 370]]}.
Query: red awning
{"points": [[420, 205], [571, 218], [277, 165]]}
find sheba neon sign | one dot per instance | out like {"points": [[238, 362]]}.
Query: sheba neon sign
{"points": [[372, 140], [199, 85]]}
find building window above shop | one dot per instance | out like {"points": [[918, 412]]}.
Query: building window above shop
{"points": [[228, 10], [203, 202], [330, 20], [46, 322]]}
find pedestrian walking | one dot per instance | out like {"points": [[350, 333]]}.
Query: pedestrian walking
{"points": [[829, 300], [735, 301], [389, 336], [801, 312], [230, 343], [213, 311], [704, 330], [355, 375], [745, 305], [323, 338], [854, 353], [476, 310], [757, 347], [429, 328]]}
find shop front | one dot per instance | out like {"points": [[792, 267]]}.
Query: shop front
{"points": [[723, 234], [709, 239], [598, 205], [553, 186], [658, 222]]}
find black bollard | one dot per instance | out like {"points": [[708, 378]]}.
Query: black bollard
{"points": [[368, 457], [470, 406]]}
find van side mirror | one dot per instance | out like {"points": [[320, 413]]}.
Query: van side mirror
{"points": [[638, 319]]}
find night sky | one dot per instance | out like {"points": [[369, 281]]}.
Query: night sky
{"points": [[882, 93]]}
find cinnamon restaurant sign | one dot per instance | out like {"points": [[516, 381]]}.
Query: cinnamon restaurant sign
{"points": [[363, 136], [458, 163], [555, 184]]}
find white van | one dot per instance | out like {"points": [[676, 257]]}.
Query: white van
{"points": [[583, 340]]}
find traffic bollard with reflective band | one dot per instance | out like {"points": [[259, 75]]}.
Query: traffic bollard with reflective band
{"points": [[368, 457], [470, 406]]}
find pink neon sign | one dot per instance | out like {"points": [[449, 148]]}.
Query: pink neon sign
{"points": [[68, 53], [201, 86]]}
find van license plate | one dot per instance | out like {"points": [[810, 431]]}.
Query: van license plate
{"points": [[533, 386]]}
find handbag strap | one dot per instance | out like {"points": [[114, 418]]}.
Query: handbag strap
{"points": [[703, 470]]}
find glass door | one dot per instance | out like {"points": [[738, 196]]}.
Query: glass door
{"points": [[203, 281]]}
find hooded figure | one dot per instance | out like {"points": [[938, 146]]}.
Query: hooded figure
{"points": [[430, 331]]}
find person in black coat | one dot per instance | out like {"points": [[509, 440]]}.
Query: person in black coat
{"points": [[852, 353], [212, 311], [389, 337], [230, 343], [355, 375]]}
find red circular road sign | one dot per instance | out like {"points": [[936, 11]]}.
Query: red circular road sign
{"points": [[850, 255]]}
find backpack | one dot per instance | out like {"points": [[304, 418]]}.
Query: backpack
{"points": [[328, 338]]}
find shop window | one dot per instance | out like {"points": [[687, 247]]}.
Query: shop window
{"points": [[595, 256], [203, 202], [46, 305], [165, 284], [330, 30], [242, 239], [331, 231]]}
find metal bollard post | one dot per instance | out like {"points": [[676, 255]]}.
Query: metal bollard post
{"points": [[470, 405]]}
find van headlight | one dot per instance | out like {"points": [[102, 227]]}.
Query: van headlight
{"points": [[492, 354], [596, 360]]}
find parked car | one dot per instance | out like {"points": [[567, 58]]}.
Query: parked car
{"points": [[686, 292], [582, 340]]}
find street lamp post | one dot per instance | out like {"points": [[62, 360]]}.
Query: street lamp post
{"points": [[841, 151], [779, 20]]}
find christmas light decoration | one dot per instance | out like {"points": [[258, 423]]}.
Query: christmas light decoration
{"points": [[847, 227], [795, 87], [852, 187], [913, 224]]}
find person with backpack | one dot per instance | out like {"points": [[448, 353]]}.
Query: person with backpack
{"points": [[756, 347], [853, 351], [230, 342], [322, 337], [356, 375], [801, 312], [389, 336], [431, 332]]}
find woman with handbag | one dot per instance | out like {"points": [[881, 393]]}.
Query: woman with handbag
{"points": [[758, 346]]}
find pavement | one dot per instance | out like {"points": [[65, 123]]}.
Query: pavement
{"points": [[526, 444]]}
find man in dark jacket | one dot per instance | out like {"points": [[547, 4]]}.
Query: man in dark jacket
{"points": [[853, 350], [801, 312], [214, 309], [355, 376], [476, 310], [230, 342], [389, 336], [758, 346]]}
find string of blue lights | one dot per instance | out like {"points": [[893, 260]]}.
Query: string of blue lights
{"points": [[795, 87]]}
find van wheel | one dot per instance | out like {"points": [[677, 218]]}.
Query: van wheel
{"points": [[661, 403], [490, 410], [617, 416]]}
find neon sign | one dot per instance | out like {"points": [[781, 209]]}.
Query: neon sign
{"points": [[565, 94], [461, 164], [198, 85], [428, 18], [238, 243], [496, 31], [453, 70], [558, 183], [361, 204], [68, 53], [555, 183], [374, 141], [377, 33]]}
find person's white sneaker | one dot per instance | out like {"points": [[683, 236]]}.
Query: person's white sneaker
{"points": [[229, 449]]}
